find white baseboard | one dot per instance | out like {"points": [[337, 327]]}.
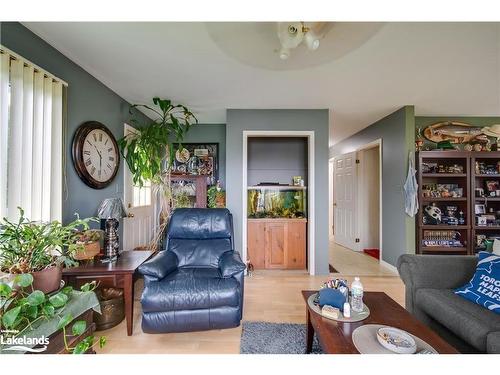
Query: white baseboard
{"points": [[389, 266]]}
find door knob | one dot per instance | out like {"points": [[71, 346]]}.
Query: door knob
{"points": [[130, 214]]}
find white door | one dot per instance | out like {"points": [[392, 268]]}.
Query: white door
{"points": [[344, 200], [138, 226]]}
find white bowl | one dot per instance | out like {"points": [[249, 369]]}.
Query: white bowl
{"points": [[396, 340]]}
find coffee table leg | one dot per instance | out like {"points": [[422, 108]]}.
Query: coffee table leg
{"points": [[310, 332], [128, 291]]}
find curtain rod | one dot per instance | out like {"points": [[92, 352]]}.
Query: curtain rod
{"points": [[15, 56]]}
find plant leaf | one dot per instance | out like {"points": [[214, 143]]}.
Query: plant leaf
{"points": [[81, 347], [49, 310], [102, 341], [64, 321], [5, 290], [58, 300], [23, 280], [88, 286], [79, 327], [36, 298], [9, 318], [32, 311]]}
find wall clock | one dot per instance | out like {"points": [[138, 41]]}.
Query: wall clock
{"points": [[95, 154]]}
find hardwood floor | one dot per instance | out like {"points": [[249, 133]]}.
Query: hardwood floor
{"points": [[272, 296], [349, 262]]}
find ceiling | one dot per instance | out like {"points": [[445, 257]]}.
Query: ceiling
{"points": [[361, 71]]}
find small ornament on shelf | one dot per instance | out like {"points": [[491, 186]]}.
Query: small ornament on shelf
{"points": [[419, 140]]}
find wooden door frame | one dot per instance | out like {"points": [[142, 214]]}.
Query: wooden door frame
{"points": [[309, 134]]}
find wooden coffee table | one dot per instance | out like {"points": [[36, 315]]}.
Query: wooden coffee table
{"points": [[120, 274], [336, 337]]}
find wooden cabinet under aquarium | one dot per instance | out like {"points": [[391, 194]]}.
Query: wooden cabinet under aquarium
{"points": [[277, 227]]}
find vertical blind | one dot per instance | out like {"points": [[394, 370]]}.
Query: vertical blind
{"points": [[31, 140]]}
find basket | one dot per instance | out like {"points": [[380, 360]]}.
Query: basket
{"points": [[89, 251]]}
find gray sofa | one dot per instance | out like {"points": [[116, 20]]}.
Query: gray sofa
{"points": [[429, 282]]}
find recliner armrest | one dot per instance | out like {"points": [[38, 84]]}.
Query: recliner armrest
{"points": [[230, 264], [160, 265]]}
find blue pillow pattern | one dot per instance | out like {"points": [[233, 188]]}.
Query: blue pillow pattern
{"points": [[484, 288]]}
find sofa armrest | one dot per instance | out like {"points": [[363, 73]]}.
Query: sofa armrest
{"points": [[493, 343], [230, 264], [434, 271], [160, 265]]}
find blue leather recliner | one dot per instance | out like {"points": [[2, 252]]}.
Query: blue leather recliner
{"points": [[196, 282]]}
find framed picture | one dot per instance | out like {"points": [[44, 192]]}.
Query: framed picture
{"points": [[479, 209], [198, 159], [482, 220]]}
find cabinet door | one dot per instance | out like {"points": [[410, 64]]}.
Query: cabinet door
{"points": [[296, 246], [256, 244], [276, 239]]}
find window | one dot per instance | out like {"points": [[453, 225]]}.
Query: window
{"points": [[31, 139], [142, 195]]}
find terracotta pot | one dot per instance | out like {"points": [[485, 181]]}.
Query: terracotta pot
{"points": [[47, 280], [89, 251]]}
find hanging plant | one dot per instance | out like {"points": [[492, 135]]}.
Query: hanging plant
{"points": [[149, 152]]}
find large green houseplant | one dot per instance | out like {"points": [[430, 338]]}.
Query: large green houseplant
{"points": [[26, 312], [39, 249], [150, 152]]}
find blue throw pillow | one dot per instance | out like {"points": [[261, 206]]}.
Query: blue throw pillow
{"points": [[484, 288]]}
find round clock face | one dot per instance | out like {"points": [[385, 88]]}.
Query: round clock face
{"points": [[95, 154]]}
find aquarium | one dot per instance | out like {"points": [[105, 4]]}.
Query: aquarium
{"points": [[276, 202]]}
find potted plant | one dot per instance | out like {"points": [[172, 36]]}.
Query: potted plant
{"points": [[216, 196], [39, 249], [150, 152], [26, 313], [90, 240]]}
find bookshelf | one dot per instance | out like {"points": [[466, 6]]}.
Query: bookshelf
{"points": [[454, 182]]}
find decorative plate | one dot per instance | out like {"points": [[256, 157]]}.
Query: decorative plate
{"points": [[396, 340], [182, 156]]}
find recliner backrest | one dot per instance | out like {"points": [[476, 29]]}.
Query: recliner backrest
{"points": [[199, 236]]}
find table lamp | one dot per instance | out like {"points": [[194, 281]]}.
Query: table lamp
{"points": [[110, 211]]}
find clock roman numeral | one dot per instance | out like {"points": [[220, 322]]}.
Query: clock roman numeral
{"points": [[92, 171], [100, 137], [95, 137], [86, 152], [109, 166], [111, 158], [88, 162], [110, 149]]}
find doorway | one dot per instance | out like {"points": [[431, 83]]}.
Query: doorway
{"points": [[356, 211], [139, 225]]}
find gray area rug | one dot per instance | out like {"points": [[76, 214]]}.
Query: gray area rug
{"points": [[275, 338]]}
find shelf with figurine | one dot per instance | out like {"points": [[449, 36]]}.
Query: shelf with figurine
{"points": [[458, 170]]}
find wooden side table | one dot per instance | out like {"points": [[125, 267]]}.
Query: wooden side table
{"points": [[119, 274]]}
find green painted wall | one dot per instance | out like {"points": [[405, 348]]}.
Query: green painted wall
{"points": [[87, 99], [397, 132]]}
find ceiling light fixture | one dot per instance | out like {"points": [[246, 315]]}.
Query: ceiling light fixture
{"points": [[291, 34]]}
